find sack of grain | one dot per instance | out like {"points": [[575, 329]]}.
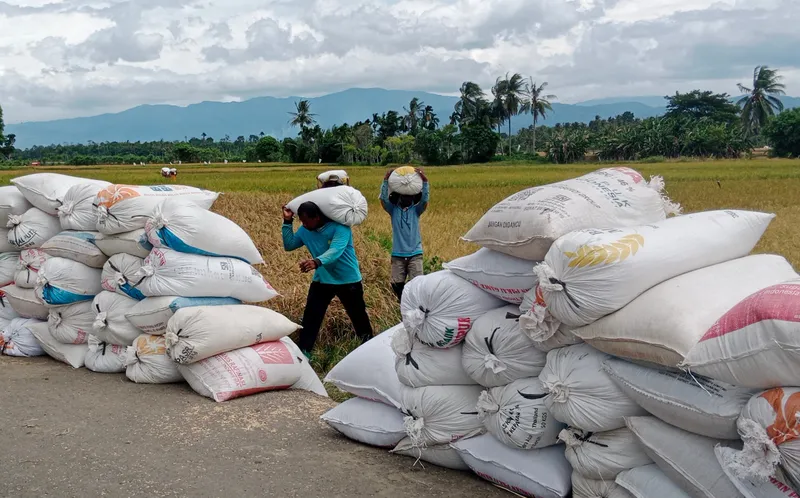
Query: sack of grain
{"points": [[77, 210], [440, 414], [25, 302], [268, 366], [503, 276], [686, 458], [440, 308], [105, 358], [405, 181], [756, 343], [583, 487], [603, 455], [32, 229], [691, 402], [18, 340], [122, 274], [309, 380], [342, 204], [516, 415], [665, 322], [774, 487], [63, 281], [369, 372], [527, 223], [77, 246], [147, 362], [9, 263], [171, 273], [418, 365], [7, 313], [71, 324], [197, 333], [134, 243], [442, 455], [588, 274], [123, 208], [12, 202], [152, 314], [182, 225], [535, 323], [368, 422], [30, 261], [496, 352], [541, 473], [71, 354], [648, 482], [46, 191], [336, 175], [110, 324], [582, 395]]}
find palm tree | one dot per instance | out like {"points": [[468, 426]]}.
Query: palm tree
{"points": [[430, 118], [512, 90], [761, 101], [469, 103], [498, 109], [536, 104], [302, 116], [414, 114]]}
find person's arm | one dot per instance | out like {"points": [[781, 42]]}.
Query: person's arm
{"points": [[290, 240], [337, 247], [385, 204], [426, 193]]}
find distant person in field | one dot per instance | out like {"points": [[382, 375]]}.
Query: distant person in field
{"points": [[405, 211], [336, 271]]}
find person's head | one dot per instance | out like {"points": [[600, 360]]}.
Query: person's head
{"points": [[404, 201], [331, 183], [311, 216]]}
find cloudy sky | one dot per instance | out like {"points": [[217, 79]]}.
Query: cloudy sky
{"points": [[76, 58]]}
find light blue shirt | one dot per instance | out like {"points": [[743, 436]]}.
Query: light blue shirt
{"points": [[332, 245], [406, 237]]}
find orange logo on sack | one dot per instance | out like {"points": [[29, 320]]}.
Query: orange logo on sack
{"points": [[151, 345], [116, 193], [783, 429]]}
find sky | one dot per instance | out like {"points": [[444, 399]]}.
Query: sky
{"points": [[68, 58]]}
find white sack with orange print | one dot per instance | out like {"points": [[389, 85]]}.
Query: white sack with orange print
{"points": [[124, 208], [588, 274], [30, 262], [147, 362]]}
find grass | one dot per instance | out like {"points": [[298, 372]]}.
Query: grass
{"points": [[253, 196]]}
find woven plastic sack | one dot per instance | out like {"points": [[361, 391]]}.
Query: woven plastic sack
{"points": [[774, 487], [503, 276], [18, 339], [71, 354], [418, 365], [71, 324], [47, 191], [440, 414], [146, 362], [25, 303], [32, 229], [603, 455], [591, 488], [134, 243], [122, 274], [441, 455], [105, 358], [77, 246], [110, 325], [7, 313], [152, 314], [30, 261], [77, 210], [342, 204], [12, 202], [63, 281], [405, 181], [9, 263], [368, 422], [531, 325], [648, 482]]}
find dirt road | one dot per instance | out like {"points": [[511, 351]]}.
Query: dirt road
{"points": [[74, 433]]}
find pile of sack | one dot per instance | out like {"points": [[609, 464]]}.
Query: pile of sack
{"points": [[606, 350]]}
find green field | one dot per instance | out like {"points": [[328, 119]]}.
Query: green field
{"points": [[253, 196]]}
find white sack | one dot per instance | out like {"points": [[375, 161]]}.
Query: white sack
{"points": [[664, 323], [12, 202], [32, 229], [46, 191], [691, 402], [77, 246], [774, 487], [588, 274], [342, 204], [77, 211], [25, 302], [440, 414], [516, 415], [581, 394], [124, 208], [71, 324], [182, 225], [527, 223], [9, 263], [442, 455], [369, 372], [197, 333], [309, 380], [18, 339], [756, 343], [63, 281], [30, 261], [368, 422], [5, 244], [7, 313], [405, 181], [603, 455], [335, 174], [71, 354], [590, 488], [503, 276], [122, 274], [134, 243], [152, 314], [418, 365], [541, 473], [171, 273], [146, 362], [440, 308], [686, 458], [532, 324], [268, 366], [110, 325], [105, 358], [649, 482], [496, 352]]}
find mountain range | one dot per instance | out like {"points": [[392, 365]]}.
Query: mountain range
{"points": [[270, 115]]}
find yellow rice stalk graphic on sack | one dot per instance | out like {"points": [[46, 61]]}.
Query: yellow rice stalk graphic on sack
{"points": [[605, 254]]}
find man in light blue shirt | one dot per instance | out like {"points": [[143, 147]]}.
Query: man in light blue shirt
{"points": [[405, 211]]}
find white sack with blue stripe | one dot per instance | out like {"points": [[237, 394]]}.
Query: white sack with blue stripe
{"points": [[63, 281]]}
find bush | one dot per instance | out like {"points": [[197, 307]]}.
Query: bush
{"points": [[783, 133]]}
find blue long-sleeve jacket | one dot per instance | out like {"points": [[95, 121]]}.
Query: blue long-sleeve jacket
{"points": [[332, 245], [406, 237]]}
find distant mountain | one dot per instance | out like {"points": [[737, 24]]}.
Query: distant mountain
{"points": [[271, 115], [661, 103]]}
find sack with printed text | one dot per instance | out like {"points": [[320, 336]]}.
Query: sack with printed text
{"points": [[501, 275], [32, 229], [30, 261], [77, 210], [63, 281], [105, 358], [17, 339], [71, 354], [134, 243], [152, 314], [46, 191], [418, 365], [77, 246], [147, 362], [122, 274], [72, 323], [773, 487], [342, 204]]}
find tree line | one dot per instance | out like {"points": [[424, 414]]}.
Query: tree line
{"points": [[479, 129]]}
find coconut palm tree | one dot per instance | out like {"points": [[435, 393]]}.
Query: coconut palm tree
{"points": [[537, 104], [761, 101], [512, 96], [414, 113], [430, 118], [468, 105], [497, 105], [302, 116]]}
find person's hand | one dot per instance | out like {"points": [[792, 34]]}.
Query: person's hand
{"points": [[421, 174], [388, 174], [288, 215], [308, 265]]}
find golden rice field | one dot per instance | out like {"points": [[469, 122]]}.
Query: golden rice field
{"points": [[253, 196]]}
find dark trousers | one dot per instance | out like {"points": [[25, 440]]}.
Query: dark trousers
{"points": [[320, 297]]}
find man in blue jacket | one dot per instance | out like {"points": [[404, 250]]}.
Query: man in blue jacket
{"points": [[405, 211], [336, 271]]}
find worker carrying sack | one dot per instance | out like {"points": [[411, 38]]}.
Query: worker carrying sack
{"points": [[342, 204]]}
